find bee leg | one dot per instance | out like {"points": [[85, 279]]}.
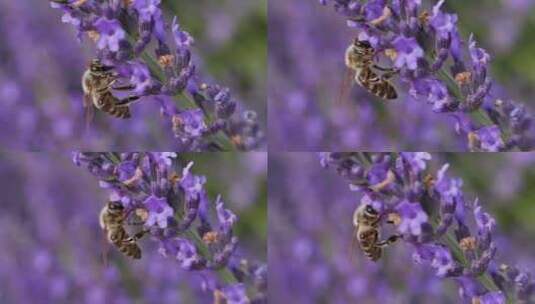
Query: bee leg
{"points": [[389, 72], [380, 68], [127, 100], [124, 88], [392, 239], [136, 236]]}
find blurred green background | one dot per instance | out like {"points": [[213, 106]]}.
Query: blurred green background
{"points": [[505, 28], [231, 40], [503, 182], [241, 179]]}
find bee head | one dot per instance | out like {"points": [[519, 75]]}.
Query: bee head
{"points": [[115, 206], [362, 44], [96, 66], [370, 210]]}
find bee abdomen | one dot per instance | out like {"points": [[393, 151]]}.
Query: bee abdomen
{"points": [[375, 84], [131, 250], [373, 253], [120, 112]]}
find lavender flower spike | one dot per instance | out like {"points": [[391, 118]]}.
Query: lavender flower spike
{"points": [[420, 43], [172, 200], [452, 236], [201, 118]]}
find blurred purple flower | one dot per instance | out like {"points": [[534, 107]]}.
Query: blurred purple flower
{"points": [[408, 52], [159, 211], [412, 218], [226, 217], [235, 294], [110, 34]]}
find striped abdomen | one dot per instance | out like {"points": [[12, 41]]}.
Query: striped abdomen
{"points": [[106, 102], [118, 236], [368, 243], [375, 84]]}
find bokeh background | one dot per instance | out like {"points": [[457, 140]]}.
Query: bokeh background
{"points": [[52, 243], [41, 63], [310, 254], [307, 42]]}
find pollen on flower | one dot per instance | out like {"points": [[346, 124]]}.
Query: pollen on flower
{"points": [[429, 181], [142, 213], [178, 122], [390, 177], [391, 53], [386, 14], [128, 2], [93, 35], [210, 237], [166, 60], [204, 86], [219, 297], [468, 243], [175, 178], [394, 218], [424, 17], [236, 140], [79, 3], [476, 300], [473, 141], [463, 78], [136, 177]]}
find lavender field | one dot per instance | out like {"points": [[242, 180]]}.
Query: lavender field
{"points": [[465, 220], [206, 239], [464, 75]]}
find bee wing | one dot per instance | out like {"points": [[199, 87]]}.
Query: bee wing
{"points": [[89, 111], [345, 87], [105, 250], [353, 248]]}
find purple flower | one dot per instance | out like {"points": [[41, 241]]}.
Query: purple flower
{"points": [[69, 17], [183, 40], [226, 217], [412, 218], [434, 90], [442, 261], [189, 124], [182, 250], [166, 158], [480, 58], [417, 160], [193, 185], [126, 170], [485, 222], [235, 294], [374, 9], [496, 297], [140, 77], [110, 34], [443, 24], [437, 257], [489, 138], [159, 211], [448, 189], [408, 52], [146, 8]]}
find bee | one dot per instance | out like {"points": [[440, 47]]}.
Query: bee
{"points": [[97, 83], [112, 220], [366, 221], [359, 59]]}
